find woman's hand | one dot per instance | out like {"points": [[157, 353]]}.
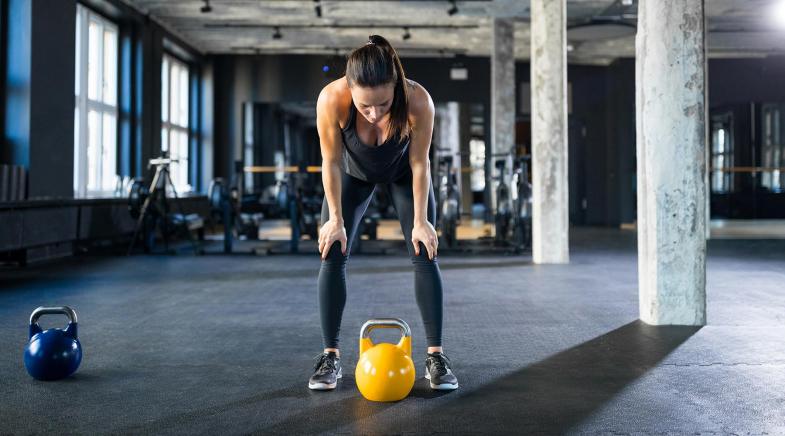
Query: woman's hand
{"points": [[424, 232], [330, 232]]}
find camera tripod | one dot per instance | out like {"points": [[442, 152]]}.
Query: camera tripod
{"points": [[158, 200]]}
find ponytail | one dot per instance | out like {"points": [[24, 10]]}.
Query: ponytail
{"points": [[377, 64]]}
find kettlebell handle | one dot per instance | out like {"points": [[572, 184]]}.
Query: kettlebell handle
{"points": [[373, 324], [70, 313]]}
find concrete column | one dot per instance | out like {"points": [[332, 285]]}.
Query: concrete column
{"points": [[502, 92], [550, 225], [671, 141]]}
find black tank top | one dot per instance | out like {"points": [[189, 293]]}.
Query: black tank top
{"points": [[384, 163]]}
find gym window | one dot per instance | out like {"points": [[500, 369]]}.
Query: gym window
{"points": [[95, 114], [174, 119], [773, 149], [722, 153]]}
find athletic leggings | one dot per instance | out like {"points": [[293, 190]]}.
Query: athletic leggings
{"points": [[355, 197]]}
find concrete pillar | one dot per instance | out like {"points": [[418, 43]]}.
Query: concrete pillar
{"points": [[502, 92], [671, 141], [550, 225]]}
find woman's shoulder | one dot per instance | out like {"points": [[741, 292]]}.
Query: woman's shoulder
{"points": [[420, 102], [335, 92], [335, 99]]}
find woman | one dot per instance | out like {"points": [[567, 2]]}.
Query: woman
{"points": [[386, 143]]}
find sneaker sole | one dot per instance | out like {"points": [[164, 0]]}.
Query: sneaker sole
{"points": [[441, 387], [326, 386]]}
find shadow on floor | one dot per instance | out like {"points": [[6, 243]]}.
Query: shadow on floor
{"points": [[555, 394]]}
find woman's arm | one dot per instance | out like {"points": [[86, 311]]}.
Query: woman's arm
{"points": [[421, 114], [331, 143]]}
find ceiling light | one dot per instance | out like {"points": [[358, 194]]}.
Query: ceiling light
{"points": [[626, 2], [778, 13], [406, 34], [206, 8], [453, 9], [277, 33], [317, 8]]}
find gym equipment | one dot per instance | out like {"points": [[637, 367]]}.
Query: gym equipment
{"points": [[293, 198], [233, 208], [503, 206], [305, 205], [309, 208], [449, 202], [137, 194], [221, 205], [156, 197], [53, 354], [522, 204], [385, 372]]}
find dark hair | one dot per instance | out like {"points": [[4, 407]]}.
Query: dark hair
{"points": [[375, 64]]}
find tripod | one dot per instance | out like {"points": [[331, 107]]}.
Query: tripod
{"points": [[157, 198]]}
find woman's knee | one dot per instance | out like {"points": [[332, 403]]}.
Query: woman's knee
{"points": [[422, 262], [335, 257]]}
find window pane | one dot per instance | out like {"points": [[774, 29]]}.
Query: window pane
{"points": [[174, 144], [174, 154], [183, 121], [721, 142], [165, 89], [173, 96], [183, 144], [165, 139], [93, 150], [77, 179], [109, 152], [720, 187], [477, 162], [182, 166], [78, 72], [110, 67], [92, 63]]}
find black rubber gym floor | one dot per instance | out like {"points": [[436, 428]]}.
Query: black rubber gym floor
{"points": [[224, 345]]}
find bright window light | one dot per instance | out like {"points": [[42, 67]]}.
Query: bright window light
{"points": [[778, 13]]}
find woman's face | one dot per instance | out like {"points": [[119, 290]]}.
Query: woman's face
{"points": [[374, 103]]}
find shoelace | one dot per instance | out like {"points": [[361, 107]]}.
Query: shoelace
{"points": [[440, 361], [325, 364]]}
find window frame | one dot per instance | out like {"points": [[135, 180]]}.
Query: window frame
{"points": [[772, 147], [170, 127], [84, 104]]}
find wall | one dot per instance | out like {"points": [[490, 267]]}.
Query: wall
{"points": [[39, 105]]}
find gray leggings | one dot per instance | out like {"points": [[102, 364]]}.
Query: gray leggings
{"points": [[355, 197]]}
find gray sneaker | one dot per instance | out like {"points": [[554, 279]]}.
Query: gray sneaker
{"points": [[438, 372], [327, 371]]}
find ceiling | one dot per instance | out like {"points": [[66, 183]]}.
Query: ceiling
{"points": [[600, 30]]}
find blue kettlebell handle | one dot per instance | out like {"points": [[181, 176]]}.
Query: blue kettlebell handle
{"points": [[65, 310]]}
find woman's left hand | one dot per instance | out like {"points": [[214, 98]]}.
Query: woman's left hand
{"points": [[425, 233]]}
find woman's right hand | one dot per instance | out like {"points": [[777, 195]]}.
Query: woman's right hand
{"points": [[330, 232]]}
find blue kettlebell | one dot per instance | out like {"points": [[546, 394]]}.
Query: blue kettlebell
{"points": [[54, 353]]}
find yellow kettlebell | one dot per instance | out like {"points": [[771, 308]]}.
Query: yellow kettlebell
{"points": [[385, 372]]}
